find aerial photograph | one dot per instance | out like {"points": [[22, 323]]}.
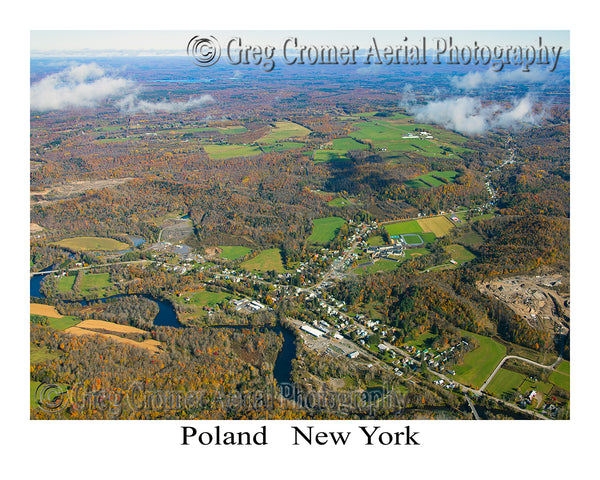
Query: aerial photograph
{"points": [[299, 225]]}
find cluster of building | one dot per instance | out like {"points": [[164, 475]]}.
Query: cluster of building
{"points": [[247, 306]]}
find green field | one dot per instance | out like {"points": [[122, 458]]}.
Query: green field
{"points": [[505, 382], [348, 144], [323, 156], [63, 323], [470, 239], [383, 265], [338, 202], [65, 284], [459, 254], [433, 179], [95, 281], [561, 377], [401, 228], [561, 381], [478, 364], [422, 341], [92, 243], [234, 252], [280, 146], [223, 152], [33, 386], [375, 241], [282, 131], [41, 354], [205, 298], [387, 134], [325, 229], [413, 239], [265, 261]]}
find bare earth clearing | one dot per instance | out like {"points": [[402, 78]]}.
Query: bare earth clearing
{"points": [[533, 299], [73, 189]]}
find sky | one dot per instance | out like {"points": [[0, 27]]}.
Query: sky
{"points": [[174, 42]]}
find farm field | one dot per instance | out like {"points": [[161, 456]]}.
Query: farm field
{"points": [[100, 327], [92, 282], [323, 156], [478, 364], [325, 229], [92, 243], [561, 377], [41, 354], [348, 144], [44, 310], [265, 261], [234, 252], [459, 253], [432, 179], [470, 239], [338, 202], [223, 152], [474, 217], [280, 146], [54, 319], [505, 382], [284, 130], [65, 284], [205, 298], [439, 225]]}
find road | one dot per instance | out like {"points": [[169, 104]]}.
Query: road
{"points": [[473, 409], [89, 267], [526, 360]]}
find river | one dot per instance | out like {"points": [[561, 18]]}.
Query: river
{"points": [[166, 317]]}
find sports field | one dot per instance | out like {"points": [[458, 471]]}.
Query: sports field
{"points": [[92, 243], [282, 131], [265, 261], [478, 364], [382, 265], [325, 229], [233, 252], [404, 227], [223, 152]]}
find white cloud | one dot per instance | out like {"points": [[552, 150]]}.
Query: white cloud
{"points": [[84, 85], [469, 116], [88, 85], [488, 78], [132, 104]]}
